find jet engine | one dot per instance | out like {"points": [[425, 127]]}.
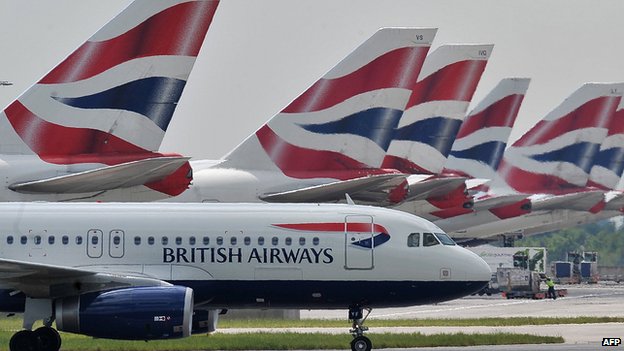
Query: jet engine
{"points": [[142, 313]]}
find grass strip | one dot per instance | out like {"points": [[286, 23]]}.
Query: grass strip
{"points": [[333, 323], [289, 341]]}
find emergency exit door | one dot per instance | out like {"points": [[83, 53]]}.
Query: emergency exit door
{"points": [[359, 244]]}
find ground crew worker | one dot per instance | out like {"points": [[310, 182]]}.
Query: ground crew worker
{"points": [[551, 288]]}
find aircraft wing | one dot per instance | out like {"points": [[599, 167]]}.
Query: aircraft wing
{"points": [[123, 175], [363, 188], [580, 201], [421, 189], [49, 281]]}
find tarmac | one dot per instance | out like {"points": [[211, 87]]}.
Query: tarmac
{"points": [[597, 300]]}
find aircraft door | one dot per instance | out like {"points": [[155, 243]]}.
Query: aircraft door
{"points": [[359, 244], [94, 243], [116, 243]]}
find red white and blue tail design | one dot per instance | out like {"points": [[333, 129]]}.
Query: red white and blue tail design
{"points": [[340, 128], [482, 137], [117, 92], [436, 108], [556, 155], [609, 161]]}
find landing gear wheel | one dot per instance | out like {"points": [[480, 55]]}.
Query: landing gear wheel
{"points": [[361, 343], [24, 340], [49, 339]]}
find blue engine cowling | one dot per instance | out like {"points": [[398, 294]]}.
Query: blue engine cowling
{"points": [[143, 313]]}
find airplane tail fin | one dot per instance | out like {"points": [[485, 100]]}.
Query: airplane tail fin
{"points": [[117, 92], [482, 138], [344, 121], [609, 161], [557, 153], [436, 108]]}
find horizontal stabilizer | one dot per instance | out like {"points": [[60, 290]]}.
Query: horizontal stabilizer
{"points": [[497, 201], [433, 186], [50, 281], [580, 201], [336, 191], [123, 175]]}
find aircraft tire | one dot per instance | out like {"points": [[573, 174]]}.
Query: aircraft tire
{"points": [[48, 338], [24, 340], [361, 343]]}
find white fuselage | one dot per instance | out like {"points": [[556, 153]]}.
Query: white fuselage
{"points": [[249, 255]]}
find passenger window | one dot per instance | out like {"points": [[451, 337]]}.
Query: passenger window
{"points": [[274, 241], [37, 240], [65, 240], [206, 240], [315, 241], [288, 241], [78, 240], [233, 240], [51, 240], [413, 240], [219, 240], [137, 240], [445, 239], [150, 240], [10, 239], [116, 240], [23, 240], [165, 240], [429, 239], [94, 240], [302, 241], [192, 240], [247, 241], [178, 240], [261, 240]]}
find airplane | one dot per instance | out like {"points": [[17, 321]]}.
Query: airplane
{"points": [[90, 128], [145, 271], [552, 162], [479, 147], [331, 139], [429, 125]]}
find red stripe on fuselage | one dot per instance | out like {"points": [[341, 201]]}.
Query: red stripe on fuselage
{"points": [[178, 30], [335, 227]]}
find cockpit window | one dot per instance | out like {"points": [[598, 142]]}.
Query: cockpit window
{"points": [[413, 240], [445, 239], [429, 239]]}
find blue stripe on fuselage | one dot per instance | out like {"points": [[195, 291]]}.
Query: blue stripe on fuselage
{"points": [[437, 132], [154, 98], [376, 124]]}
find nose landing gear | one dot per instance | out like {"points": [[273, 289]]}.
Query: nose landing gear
{"points": [[359, 342]]}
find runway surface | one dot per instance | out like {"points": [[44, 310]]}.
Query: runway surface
{"points": [[600, 300]]}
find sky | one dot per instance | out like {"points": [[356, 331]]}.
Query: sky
{"points": [[260, 54]]}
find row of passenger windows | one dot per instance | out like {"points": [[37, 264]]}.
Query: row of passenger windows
{"points": [[164, 240], [429, 239]]}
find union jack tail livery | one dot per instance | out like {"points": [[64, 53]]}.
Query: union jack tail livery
{"points": [[340, 128], [556, 155], [436, 108], [110, 102], [609, 161], [482, 137]]}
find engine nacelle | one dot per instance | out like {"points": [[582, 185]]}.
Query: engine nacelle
{"points": [[205, 321], [144, 313]]}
